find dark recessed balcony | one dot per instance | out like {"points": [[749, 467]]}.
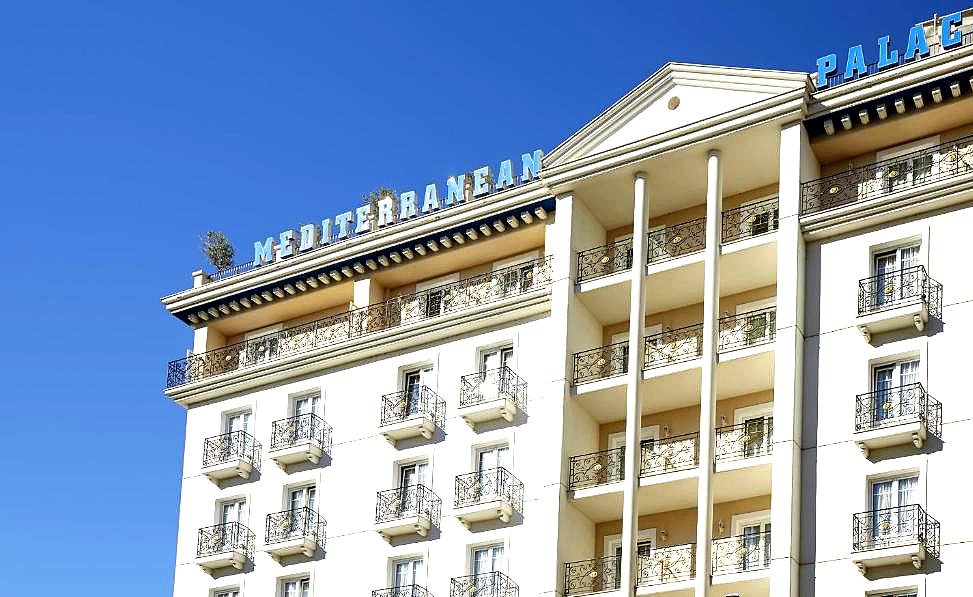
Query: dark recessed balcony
{"points": [[601, 363], [665, 565], [592, 576], [891, 536], [234, 454], [752, 439], [898, 299], [304, 438], [895, 417], [490, 395], [677, 240], [489, 584], [605, 260], [668, 455], [597, 468], [741, 553], [224, 545], [291, 532], [490, 494], [673, 346], [750, 220], [416, 412], [402, 591], [746, 330], [413, 509]]}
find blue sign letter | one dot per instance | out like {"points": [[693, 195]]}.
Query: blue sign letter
{"points": [[309, 237], [826, 66], [344, 223], [287, 243], [454, 190], [481, 181], [326, 231], [951, 38], [917, 43], [263, 252], [886, 58], [531, 165], [431, 201], [855, 63], [407, 205], [506, 176]]}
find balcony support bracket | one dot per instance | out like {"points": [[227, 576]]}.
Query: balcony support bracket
{"points": [[919, 323], [863, 448], [917, 562], [916, 439], [861, 567], [865, 333]]}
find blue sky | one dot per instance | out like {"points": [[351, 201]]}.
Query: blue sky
{"points": [[126, 131]]}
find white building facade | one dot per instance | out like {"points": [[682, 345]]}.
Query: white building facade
{"points": [[754, 278]]}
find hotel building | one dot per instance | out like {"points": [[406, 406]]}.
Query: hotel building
{"points": [[755, 278]]}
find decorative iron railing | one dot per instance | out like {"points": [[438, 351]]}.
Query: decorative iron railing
{"points": [[673, 346], [895, 527], [229, 272], [676, 240], [601, 363], [750, 439], [675, 453], [605, 260], [299, 523], [597, 468], [397, 311], [489, 485], [749, 220], [667, 564], [223, 448], [741, 553], [897, 288], [897, 406], [935, 48], [748, 329], [403, 591], [300, 429], [407, 502], [418, 401], [493, 384], [489, 584], [228, 537], [592, 576], [921, 167]]}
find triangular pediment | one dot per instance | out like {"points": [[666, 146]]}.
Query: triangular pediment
{"points": [[675, 96]]}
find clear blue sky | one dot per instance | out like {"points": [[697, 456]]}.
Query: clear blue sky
{"points": [[126, 131]]}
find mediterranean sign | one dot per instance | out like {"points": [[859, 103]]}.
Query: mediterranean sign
{"points": [[388, 210], [917, 45]]}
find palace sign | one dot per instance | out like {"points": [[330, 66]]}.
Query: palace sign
{"points": [[388, 211], [917, 45]]}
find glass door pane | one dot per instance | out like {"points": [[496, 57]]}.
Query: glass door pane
{"points": [[884, 406]]}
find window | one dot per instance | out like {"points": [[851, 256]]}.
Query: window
{"points": [[233, 510], [893, 390], [755, 220], [261, 345], [895, 276], [296, 587], [492, 481], [517, 274], [753, 532], [650, 435], [413, 382], [891, 516], [407, 572], [307, 404], [302, 497], [621, 257], [411, 475], [758, 428], [912, 165], [239, 421], [227, 593], [487, 559], [496, 358], [495, 378], [434, 293], [613, 547], [757, 320]]}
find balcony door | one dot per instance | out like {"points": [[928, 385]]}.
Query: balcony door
{"points": [[485, 560], [413, 382], [307, 405], [753, 533], [756, 328], [239, 421], [894, 280], [262, 344], [237, 444], [406, 573], [891, 519], [303, 497], [613, 547], [296, 588], [758, 428], [515, 274], [491, 481], [411, 475], [757, 222], [233, 511], [432, 295], [495, 382], [893, 390], [621, 257]]}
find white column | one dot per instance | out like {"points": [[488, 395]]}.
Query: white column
{"points": [[633, 410], [797, 163], [707, 397]]}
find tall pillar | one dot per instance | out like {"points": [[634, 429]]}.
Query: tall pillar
{"points": [[707, 397], [633, 409], [797, 164]]}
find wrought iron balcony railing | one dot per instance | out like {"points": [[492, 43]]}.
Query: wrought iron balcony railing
{"points": [[592, 576], [897, 406], [922, 167], [741, 553], [489, 584], [893, 289], [750, 220], [229, 272], [403, 591], [407, 502], [605, 260], [895, 527], [597, 468], [493, 384], [489, 485], [667, 564], [225, 538], [676, 240], [748, 329], [303, 428], [415, 402], [601, 363], [397, 311], [745, 440], [227, 447], [299, 523], [676, 453], [673, 346]]}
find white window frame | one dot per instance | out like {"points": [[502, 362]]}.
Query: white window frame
{"points": [[226, 592], [307, 395], [509, 261], [745, 227], [419, 580], [480, 448], [226, 416], [617, 439], [303, 485], [613, 542], [755, 411], [242, 502], [282, 583], [472, 549], [738, 521]]}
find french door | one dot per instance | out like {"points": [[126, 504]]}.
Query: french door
{"points": [[757, 435], [894, 280], [237, 444], [487, 560], [407, 573], [413, 382], [908, 172], [495, 382], [296, 588], [893, 390], [756, 545], [232, 514], [891, 519], [306, 405], [492, 481], [643, 550], [411, 475], [237, 422]]}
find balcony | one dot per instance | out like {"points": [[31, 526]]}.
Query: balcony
{"points": [[592, 576], [741, 554], [673, 346], [304, 438], [744, 441], [403, 591], [234, 454], [490, 395], [395, 312], [606, 260], [291, 532], [888, 177], [597, 468], [414, 509], [489, 584], [891, 536], [601, 363], [667, 569], [413, 413], [897, 300], [895, 417], [749, 220], [224, 545], [491, 494], [747, 330], [678, 240], [668, 455]]}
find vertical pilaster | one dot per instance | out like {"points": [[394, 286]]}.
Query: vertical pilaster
{"points": [[707, 398], [633, 410]]}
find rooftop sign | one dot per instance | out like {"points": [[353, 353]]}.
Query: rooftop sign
{"points": [[916, 46], [388, 211]]}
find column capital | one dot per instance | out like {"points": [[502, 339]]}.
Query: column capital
{"points": [[640, 175], [564, 194], [714, 153]]}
